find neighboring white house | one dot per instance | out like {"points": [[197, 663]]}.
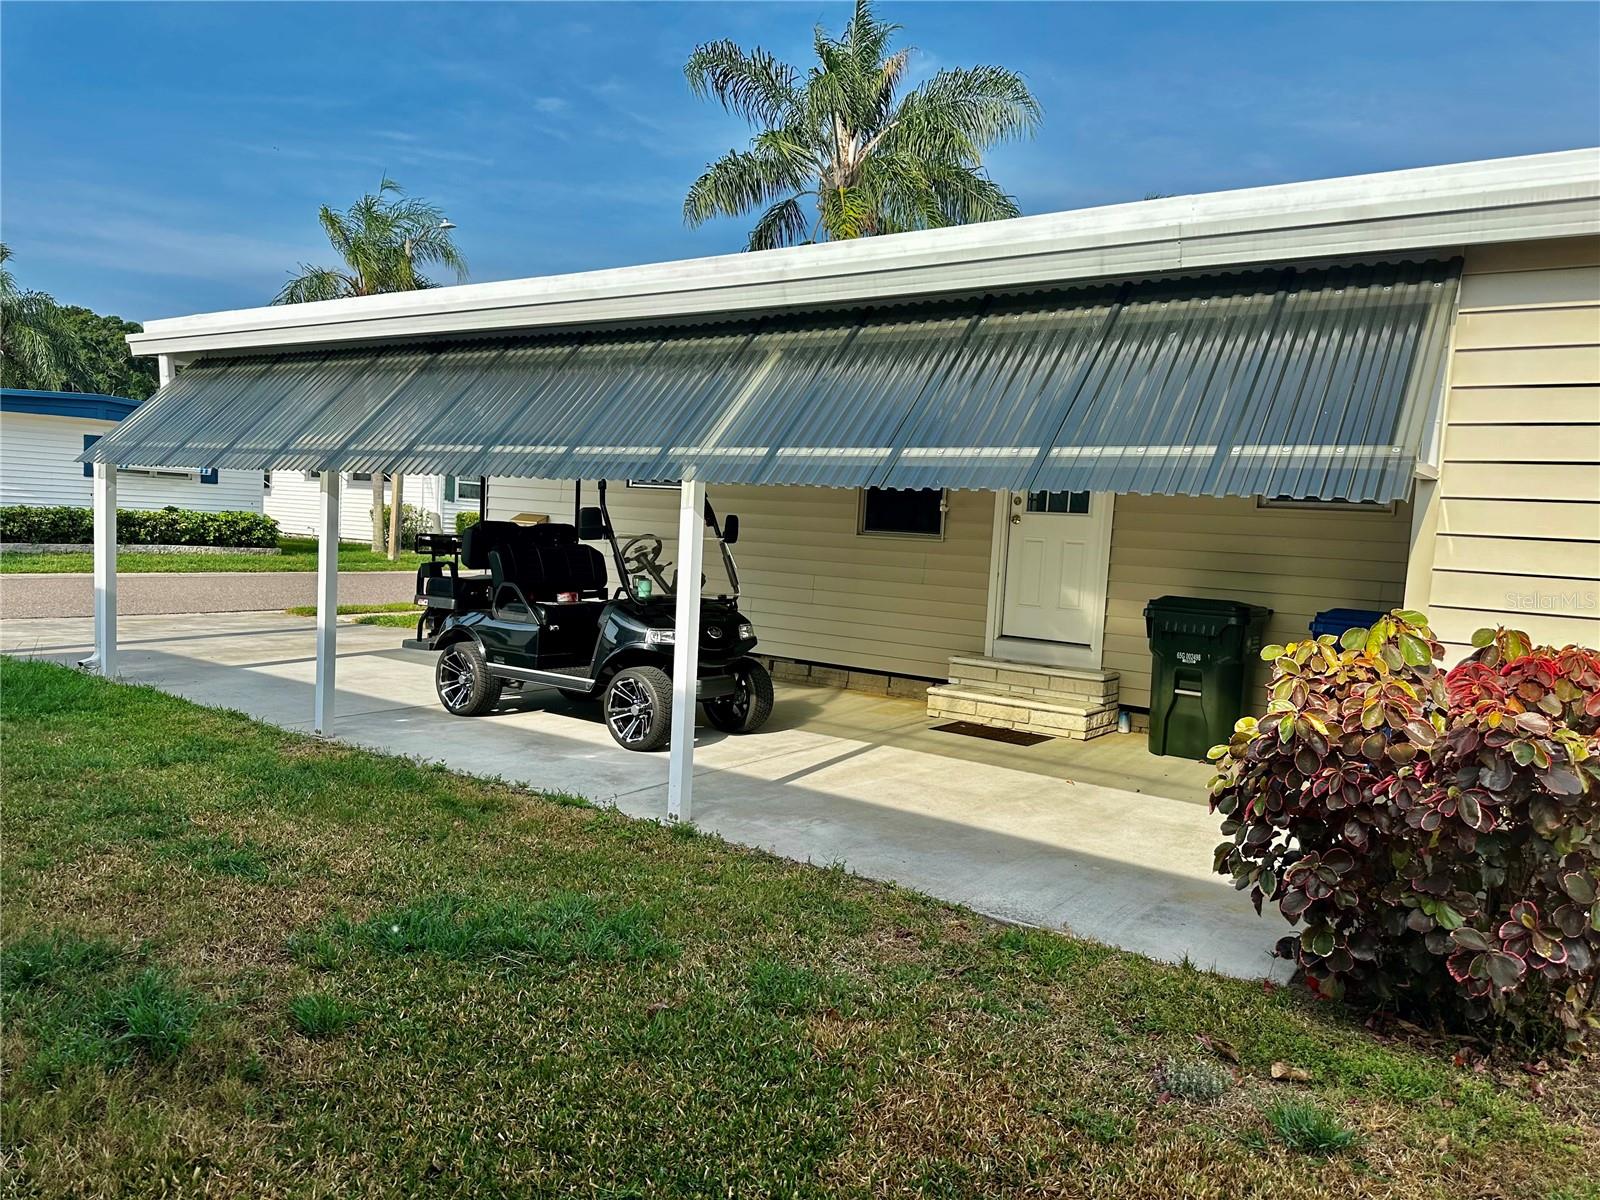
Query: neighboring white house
{"points": [[42, 434], [291, 499]]}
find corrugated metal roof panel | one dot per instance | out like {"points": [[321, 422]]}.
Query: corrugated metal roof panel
{"points": [[1301, 383]]}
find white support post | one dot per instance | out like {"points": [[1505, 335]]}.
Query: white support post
{"points": [[686, 649], [327, 602], [105, 569]]}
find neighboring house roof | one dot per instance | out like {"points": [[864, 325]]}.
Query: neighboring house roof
{"points": [[1437, 210], [66, 404]]}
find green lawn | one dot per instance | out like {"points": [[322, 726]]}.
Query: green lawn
{"points": [[298, 554], [242, 962], [402, 615]]}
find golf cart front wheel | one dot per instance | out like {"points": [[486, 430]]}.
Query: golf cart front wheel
{"points": [[638, 708], [462, 679], [748, 707]]}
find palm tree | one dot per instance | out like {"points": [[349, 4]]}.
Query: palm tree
{"points": [[839, 154], [382, 238], [37, 345]]}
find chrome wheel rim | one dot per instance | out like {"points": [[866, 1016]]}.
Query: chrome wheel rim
{"points": [[629, 710], [455, 679]]}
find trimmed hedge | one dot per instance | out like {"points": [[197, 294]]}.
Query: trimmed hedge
{"points": [[465, 520], [143, 527]]}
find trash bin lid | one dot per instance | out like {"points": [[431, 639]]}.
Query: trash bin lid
{"points": [[1202, 606]]}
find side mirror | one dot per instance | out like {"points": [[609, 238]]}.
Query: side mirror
{"points": [[591, 524], [730, 529]]}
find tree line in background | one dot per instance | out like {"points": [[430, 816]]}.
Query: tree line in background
{"points": [[63, 347]]}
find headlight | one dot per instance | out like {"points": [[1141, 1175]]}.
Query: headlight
{"points": [[658, 637], [747, 631]]}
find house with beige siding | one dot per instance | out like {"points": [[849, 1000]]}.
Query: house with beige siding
{"points": [[966, 460]]}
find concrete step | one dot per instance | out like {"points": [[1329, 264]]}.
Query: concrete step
{"points": [[1053, 715], [1093, 687]]}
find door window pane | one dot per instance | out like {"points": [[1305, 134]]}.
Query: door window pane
{"points": [[1058, 502]]}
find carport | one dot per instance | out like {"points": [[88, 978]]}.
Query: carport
{"points": [[1295, 381]]}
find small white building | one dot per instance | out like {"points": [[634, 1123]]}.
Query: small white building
{"points": [[291, 499], [42, 434]]}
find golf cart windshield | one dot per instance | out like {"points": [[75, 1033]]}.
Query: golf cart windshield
{"points": [[651, 561]]}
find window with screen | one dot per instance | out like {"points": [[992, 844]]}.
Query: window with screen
{"points": [[903, 512]]}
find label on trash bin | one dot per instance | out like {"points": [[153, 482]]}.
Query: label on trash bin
{"points": [[1189, 656]]}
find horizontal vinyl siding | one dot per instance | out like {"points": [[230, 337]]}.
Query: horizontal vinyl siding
{"points": [[294, 502], [37, 467], [1518, 536], [1296, 561], [815, 588]]}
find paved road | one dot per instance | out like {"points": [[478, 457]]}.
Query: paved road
{"points": [[194, 592]]}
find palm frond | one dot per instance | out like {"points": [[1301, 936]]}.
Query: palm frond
{"points": [[317, 283], [38, 348], [966, 195], [784, 224], [753, 85], [736, 183], [970, 109]]}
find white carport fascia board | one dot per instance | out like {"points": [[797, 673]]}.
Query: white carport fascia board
{"points": [[1430, 208]]}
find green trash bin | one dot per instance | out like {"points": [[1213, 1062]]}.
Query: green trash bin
{"points": [[1200, 660]]}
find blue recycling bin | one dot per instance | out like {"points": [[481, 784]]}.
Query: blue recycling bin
{"points": [[1337, 620]]}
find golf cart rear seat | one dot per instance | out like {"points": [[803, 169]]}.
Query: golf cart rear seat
{"points": [[440, 584]]}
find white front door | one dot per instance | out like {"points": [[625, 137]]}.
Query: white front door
{"points": [[1055, 567]]}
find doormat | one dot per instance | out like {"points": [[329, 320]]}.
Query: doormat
{"points": [[1012, 737]]}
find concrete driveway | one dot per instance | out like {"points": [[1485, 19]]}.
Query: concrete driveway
{"points": [[836, 777], [61, 595]]}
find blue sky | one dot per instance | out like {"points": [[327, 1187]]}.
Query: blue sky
{"points": [[166, 159]]}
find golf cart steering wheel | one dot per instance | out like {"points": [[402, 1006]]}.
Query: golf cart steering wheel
{"points": [[641, 555]]}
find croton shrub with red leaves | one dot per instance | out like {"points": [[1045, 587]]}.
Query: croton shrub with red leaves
{"points": [[1435, 835]]}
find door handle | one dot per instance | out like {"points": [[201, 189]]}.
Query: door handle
{"points": [[1016, 518]]}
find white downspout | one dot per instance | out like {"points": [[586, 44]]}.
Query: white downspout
{"points": [[327, 602], [686, 649]]}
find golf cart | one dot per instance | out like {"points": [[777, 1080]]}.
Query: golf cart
{"points": [[508, 605]]}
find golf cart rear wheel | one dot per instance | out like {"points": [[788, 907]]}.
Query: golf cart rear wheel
{"points": [[748, 708], [638, 708], [463, 682]]}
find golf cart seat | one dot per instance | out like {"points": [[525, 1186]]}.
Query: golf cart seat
{"points": [[566, 564], [534, 563]]}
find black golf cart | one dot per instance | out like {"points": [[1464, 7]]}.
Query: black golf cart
{"points": [[508, 605]]}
